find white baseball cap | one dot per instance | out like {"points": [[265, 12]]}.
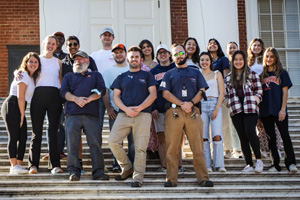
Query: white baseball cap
{"points": [[162, 46]]}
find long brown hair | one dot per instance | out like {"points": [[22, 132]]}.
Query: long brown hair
{"points": [[23, 66], [251, 56], [245, 71], [277, 65]]}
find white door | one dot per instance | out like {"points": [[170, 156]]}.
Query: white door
{"points": [[132, 21]]}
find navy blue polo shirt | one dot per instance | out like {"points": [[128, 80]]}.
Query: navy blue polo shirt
{"points": [[178, 79], [159, 72], [220, 64], [81, 86], [134, 87], [272, 93]]}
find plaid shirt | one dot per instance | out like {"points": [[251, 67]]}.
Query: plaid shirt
{"points": [[252, 92]]}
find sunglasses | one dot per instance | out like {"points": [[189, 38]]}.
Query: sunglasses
{"points": [[75, 44], [181, 53]]}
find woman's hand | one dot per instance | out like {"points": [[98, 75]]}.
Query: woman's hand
{"points": [[282, 115], [214, 114], [22, 120]]}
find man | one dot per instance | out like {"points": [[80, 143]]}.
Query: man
{"points": [[121, 66], [104, 60], [58, 53], [134, 93], [163, 56], [82, 89], [182, 87]]}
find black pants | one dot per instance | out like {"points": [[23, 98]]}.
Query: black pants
{"points": [[283, 127], [245, 126], [17, 136], [45, 99]]}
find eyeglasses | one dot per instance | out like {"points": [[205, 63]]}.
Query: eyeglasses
{"points": [[75, 44], [181, 53], [162, 53]]}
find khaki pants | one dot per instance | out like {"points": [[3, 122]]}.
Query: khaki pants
{"points": [[194, 131], [140, 127]]}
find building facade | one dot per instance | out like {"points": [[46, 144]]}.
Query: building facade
{"points": [[24, 24]]}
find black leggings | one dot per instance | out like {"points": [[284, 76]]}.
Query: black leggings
{"points": [[17, 136], [283, 127], [45, 99], [245, 126]]}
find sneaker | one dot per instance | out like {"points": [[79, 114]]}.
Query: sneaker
{"points": [[74, 177], [56, 170], [136, 184], [259, 167], [237, 154], [46, 157], [293, 169], [227, 154], [162, 169], [124, 175], [248, 168], [102, 177], [63, 156], [264, 154], [33, 170], [273, 169], [221, 169], [17, 169], [209, 169]]}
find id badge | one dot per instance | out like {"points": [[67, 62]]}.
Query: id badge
{"points": [[184, 93]]}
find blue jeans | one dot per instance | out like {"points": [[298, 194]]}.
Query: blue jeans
{"points": [[91, 127], [207, 108], [131, 151]]}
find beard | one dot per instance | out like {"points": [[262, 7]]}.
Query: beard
{"points": [[120, 61], [80, 67], [181, 62], [134, 66]]}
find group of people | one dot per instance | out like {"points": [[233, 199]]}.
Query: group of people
{"points": [[154, 104]]}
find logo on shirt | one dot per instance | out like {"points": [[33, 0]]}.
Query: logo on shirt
{"points": [[130, 76], [193, 80], [163, 84], [159, 76], [142, 80]]}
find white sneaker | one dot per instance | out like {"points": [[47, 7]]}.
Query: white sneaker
{"points": [[222, 169], [259, 167], [248, 168], [227, 154], [273, 169], [209, 169], [17, 169], [293, 169]]}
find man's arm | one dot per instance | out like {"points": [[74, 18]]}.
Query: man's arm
{"points": [[110, 110], [80, 101], [148, 101], [128, 110]]}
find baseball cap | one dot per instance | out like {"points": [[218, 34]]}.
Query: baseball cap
{"points": [[162, 46], [59, 33], [107, 29], [82, 54], [118, 46]]}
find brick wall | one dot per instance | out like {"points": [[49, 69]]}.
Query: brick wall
{"points": [[242, 25], [179, 20], [19, 24]]}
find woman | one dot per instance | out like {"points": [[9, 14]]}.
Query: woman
{"points": [[221, 63], [276, 83], [243, 94], [13, 110], [46, 99], [148, 51], [193, 51], [212, 113], [255, 62]]}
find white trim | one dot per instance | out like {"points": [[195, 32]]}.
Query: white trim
{"points": [[165, 23], [252, 19]]}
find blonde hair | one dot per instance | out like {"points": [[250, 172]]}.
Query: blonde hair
{"points": [[45, 41]]}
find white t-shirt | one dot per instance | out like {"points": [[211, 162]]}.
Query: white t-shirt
{"points": [[30, 86], [104, 59], [258, 68], [109, 76], [190, 62], [49, 73]]}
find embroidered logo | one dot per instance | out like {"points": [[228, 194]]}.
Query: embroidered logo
{"points": [[142, 80], [193, 80]]}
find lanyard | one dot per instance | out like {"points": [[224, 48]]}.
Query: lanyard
{"points": [[185, 78]]}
